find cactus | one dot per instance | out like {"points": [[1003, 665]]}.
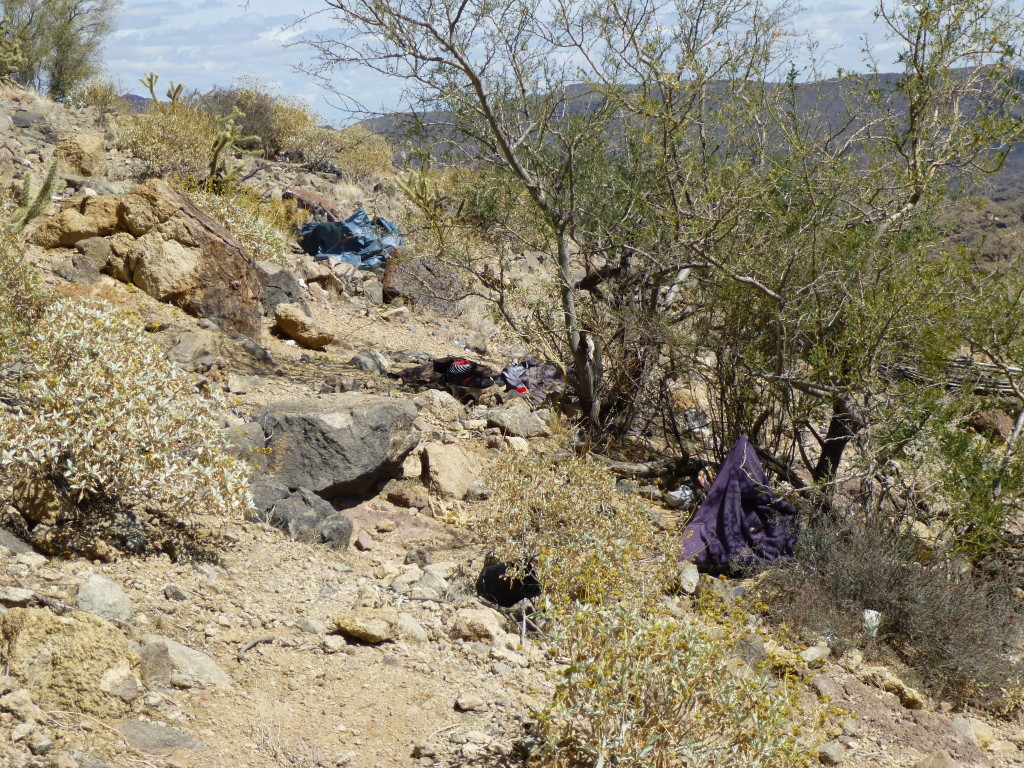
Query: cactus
{"points": [[224, 173], [32, 205], [150, 80], [12, 57]]}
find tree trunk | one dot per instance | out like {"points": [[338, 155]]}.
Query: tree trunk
{"points": [[586, 350], [845, 423]]}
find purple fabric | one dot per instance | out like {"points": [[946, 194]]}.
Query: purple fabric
{"points": [[741, 520]]}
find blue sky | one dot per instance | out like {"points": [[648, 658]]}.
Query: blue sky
{"points": [[209, 42]]}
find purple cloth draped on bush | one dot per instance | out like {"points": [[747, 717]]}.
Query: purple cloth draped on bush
{"points": [[741, 521]]}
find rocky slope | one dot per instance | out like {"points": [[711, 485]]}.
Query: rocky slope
{"points": [[340, 625]]}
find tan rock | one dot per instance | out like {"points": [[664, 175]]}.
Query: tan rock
{"points": [[294, 322], [164, 268], [368, 626], [93, 216], [888, 681], [477, 625], [84, 154], [225, 286], [450, 470], [940, 759], [121, 262], [65, 660]]}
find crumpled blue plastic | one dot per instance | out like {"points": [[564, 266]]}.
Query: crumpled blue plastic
{"points": [[358, 240]]}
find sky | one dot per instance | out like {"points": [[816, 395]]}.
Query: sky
{"points": [[206, 43]]}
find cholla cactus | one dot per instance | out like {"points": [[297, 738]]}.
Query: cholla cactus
{"points": [[102, 412], [32, 205]]}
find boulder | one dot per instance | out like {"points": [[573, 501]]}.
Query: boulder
{"points": [[155, 739], [993, 423], [366, 626], [294, 320], [450, 471], [208, 273], [105, 598], [340, 444], [84, 154], [68, 662], [92, 216], [281, 286], [477, 624], [167, 661], [425, 282], [517, 420]]}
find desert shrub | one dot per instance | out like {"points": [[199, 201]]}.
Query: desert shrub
{"points": [[640, 686], [953, 628], [585, 541], [271, 119], [250, 219], [103, 93], [97, 410], [22, 297], [363, 154], [171, 140], [642, 689]]}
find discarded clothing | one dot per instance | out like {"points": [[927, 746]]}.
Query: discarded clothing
{"points": [[357, 240], [495, 585], [512, 375], [448, 371], [459, 372], [741, 521], [533, 377]]}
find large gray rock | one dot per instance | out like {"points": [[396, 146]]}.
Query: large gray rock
{"points": [[105, 598], [517, 420], [149, 737], [281, 287], [166, 660], [339, 444]]}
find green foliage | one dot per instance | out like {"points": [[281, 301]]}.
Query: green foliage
{"points": [[101, 93], [60, 41], [12, 58], [955, 629], [172, 141], [585, 541], [640, 687], [22, 297], [223, 172], [251, 220], [99, 409], [644, 689]]}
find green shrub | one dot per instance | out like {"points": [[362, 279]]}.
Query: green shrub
{"points": [[249, 219], [272, 119], [640, 687], [647, 690], [173, 141], [953, 628], [23, 299], [98, 411], [363, 154], [585, 541], [103, 93]]}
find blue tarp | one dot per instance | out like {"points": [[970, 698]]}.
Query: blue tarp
{"points": [[357, 240]]}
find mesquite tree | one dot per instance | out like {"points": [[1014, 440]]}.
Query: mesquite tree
{"points": [[716, 214]]}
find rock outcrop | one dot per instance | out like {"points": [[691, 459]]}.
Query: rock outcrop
{"points": [[171, 249], [340, 444]]}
